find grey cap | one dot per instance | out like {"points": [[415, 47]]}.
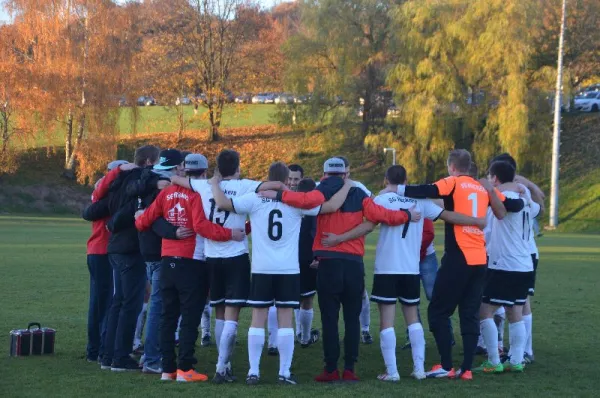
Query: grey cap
{"points": [[116, 163], [195, 161], [334, 165]]}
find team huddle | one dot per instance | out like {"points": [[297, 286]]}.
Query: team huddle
{"points": [[161, 226]]}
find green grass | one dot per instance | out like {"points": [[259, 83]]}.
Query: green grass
{"points": [[45, 279]]}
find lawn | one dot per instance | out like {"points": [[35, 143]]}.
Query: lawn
{"points": [[45, 279]]}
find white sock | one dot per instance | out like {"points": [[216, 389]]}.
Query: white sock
{"points": [[517, 337], [365, 313], [480, 342], [306, 318], [297, 317], [490, 337], [219, 323], [256, 342], [272, 325], [139, 327], [528, 320], [285, 343], [416, 336], [501, 312], [226, 344], [205, 320], [387, 342]]}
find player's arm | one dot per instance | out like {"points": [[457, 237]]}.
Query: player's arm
{"points": [[123, 218], [103, 185], [300, 200], [164, 229], [222, 201], [461, 219], [145, 218], [428, 236], [210, 230], [271, 186], [330, 239], [379, 214], [337, 200], [537, 195], [96, 211], [182, 182]]}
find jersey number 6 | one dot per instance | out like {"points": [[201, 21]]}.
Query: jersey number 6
{"points": [[275, 227]]}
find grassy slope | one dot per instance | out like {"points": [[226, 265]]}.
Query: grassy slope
{"points": [[45, 280]]}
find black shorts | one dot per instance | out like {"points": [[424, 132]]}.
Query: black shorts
{"points": [[532, 283], [308, 281], [387, 288], [230, 280], [506, 288], [282, 290]]}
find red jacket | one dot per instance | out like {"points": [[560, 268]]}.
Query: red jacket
{"points": [[181, 207], [98, 241], [428, 235], [356, 207]]}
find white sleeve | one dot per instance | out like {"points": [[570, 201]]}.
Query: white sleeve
{"points": [[535, 209], [360, 185], [249, 186], [244, 204], [487, 231], [198, 185], [379, 200], [312, 212], [431, 210]]}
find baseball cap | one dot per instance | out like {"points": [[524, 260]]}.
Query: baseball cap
{"points": [[116, 163], [334, 165], [195, 161], [168, 159]]}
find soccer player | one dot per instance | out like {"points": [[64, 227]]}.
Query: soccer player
{"points": [[229, 261], [296, 175], [460, 279], [275, 267], [184, 281], [510, 272], [340, 280]]}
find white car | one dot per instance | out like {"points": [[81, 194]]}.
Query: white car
{"points": [[260, 98], [588, 102], [284, 99]]}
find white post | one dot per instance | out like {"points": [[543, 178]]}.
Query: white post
{"points": [[557, 115], [393, 150]]}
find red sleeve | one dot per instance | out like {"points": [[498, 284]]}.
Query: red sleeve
{"points": [[102, 189], [205, 228], [248, 227], [379, 214], [303, 200], [152, 213], [428, 235]]}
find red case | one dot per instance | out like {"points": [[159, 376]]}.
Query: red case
{"points": [[26, 342]]}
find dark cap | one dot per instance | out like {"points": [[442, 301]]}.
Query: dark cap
{"points": [[168, 159]]}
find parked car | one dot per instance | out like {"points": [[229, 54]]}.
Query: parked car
{"points": [[588, 102], [269, 98], [146, 100], [260, 98], [183, 101], [284, 99], [393, 111], [301, 99], [244, 98]]}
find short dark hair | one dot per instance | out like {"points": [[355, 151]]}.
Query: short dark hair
{"points": [[195, 173], [473, 170], [306, 185], [145, 153], [460, 159], [505, 157], [345, 159], [279, 172], [396, 175], [503, 171], [228, 162], [296, 167]]}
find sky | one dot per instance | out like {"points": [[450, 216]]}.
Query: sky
{"points": [[4, 17]]}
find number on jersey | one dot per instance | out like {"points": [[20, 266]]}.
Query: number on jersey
{"points": [[217, 215], [275, 229]]}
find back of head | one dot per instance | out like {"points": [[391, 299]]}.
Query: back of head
{"points": [[505, 157], [334, 167], [460, 159], [296, 167], [396, 175], [146, 154], [195, 165], [503, 171], [473, 170], [228, 162], [345, 160], [279, 172], [306, 185]]}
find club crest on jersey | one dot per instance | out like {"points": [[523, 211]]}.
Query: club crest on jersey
{"points": [[177, 211]]}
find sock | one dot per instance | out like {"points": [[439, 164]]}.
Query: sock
{"points": [[528, 320], [499, 319], [365, 313], [205, 320], [219, 323], [490, 337], [387, 342], [306, 318], [256, 342], [297, 317], [517, 337], [285, 343], [139, 327], [226, 345], [480, 342], [417, 343], [272, 325]]}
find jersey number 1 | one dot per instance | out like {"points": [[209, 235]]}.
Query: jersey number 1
{"points": [[473, 199], [214, 215], [275, 230]]}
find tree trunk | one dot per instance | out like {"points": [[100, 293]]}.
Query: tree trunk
{"points": [[213, 132], [366, 117], [5, 135], [70, 164], [69, 138], [180, 123]]}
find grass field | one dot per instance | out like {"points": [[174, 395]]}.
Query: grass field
{"points": [[45, 279]]}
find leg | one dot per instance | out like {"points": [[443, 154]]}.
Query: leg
{"points": [[468, 311], [387, 339], [528, 320], [365, 319], [141, 319], [329, 288], [152, 346], [308, 289], [94, 320], [352, 299], [256, 340], [428, 269], [287, 298], [189, 282], [113, 313], [169, 315], [499, 317], [272, 327], [489, 333], [104, 290], [306, 315], [409, 294], [517, 335]]}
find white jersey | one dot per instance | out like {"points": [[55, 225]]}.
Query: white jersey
{"points": [[199, 251], [535, 211], [275, 233], [509, 247], [430, 249], [226, 219], [399, 248], [359, 185]]}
